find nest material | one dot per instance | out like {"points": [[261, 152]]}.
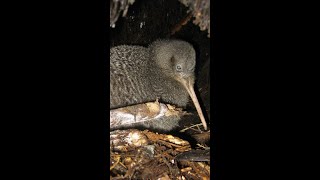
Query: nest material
{"points": [[116, 7], [145, 155], [201, 11]]}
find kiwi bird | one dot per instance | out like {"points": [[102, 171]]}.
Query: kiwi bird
{"points": [[164, 70]]}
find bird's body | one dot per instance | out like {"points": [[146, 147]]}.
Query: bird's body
{"points": [[137, 79], [164, 70]]}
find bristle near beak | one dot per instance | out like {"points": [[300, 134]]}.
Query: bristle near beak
{"points": [[188, 84]]}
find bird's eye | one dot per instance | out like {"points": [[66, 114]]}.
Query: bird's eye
{"points": [[178, 67]]}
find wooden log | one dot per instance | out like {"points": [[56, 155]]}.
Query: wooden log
{"points": [[142, 113]]}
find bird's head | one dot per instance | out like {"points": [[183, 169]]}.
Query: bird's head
{"points": [[177, 60]]}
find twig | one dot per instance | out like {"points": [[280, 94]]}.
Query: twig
{"points": [[115, 164], [200, 145], [196, 125], [168, 144], [183, 22]]}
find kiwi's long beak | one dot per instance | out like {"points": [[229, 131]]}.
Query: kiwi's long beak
{"points": [[188, 84]]}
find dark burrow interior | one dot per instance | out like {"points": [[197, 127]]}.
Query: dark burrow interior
{"points": [[147, 21]]}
